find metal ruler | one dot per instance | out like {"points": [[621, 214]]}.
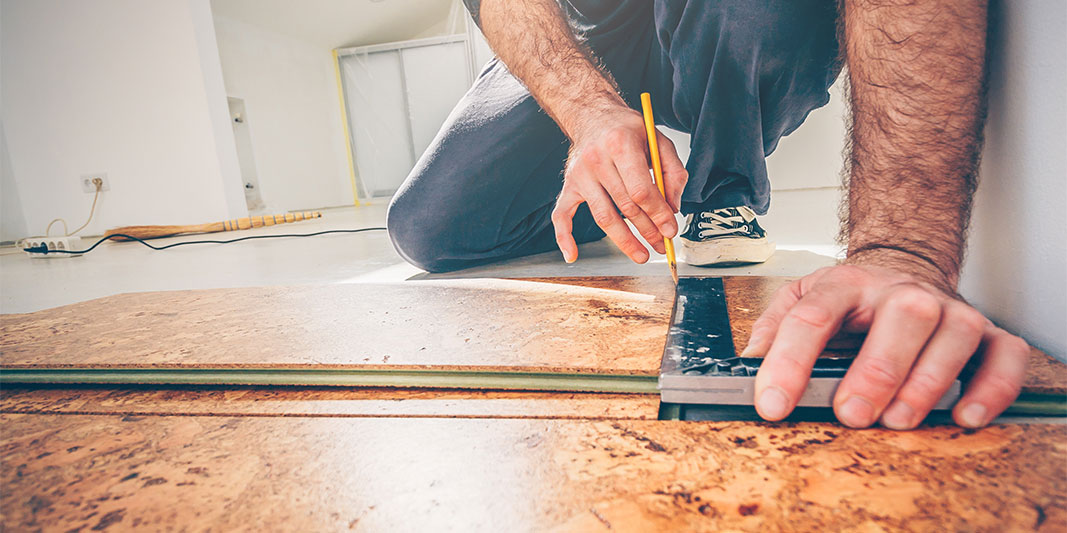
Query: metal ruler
{"points": [[700, 365]]}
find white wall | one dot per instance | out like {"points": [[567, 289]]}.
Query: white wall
{"points": [[1016, 270], [289, 90], [126, 87]]}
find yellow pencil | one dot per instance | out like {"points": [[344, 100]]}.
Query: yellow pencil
{"points": [[657, 171]]}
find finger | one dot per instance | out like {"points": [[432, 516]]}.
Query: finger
{"points": [[610, 180], [903, 322], [954, 342], [563, 223], [605, 216], [633, 168], [997, 382], [675, 176], [765, 327], [801, 337]]}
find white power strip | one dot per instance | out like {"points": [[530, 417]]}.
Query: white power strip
{"points": [[52, 243]]}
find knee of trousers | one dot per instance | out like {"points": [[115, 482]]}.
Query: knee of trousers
{"points": [[411, 225], [430, 237]]}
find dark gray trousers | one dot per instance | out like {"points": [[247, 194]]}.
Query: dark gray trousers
{"points": [[736, 74]]}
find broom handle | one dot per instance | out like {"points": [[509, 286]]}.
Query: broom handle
{"points": [[265, 220], [152, 232]]}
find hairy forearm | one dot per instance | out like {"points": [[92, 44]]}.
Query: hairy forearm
{"points": [[916, 82], [533, 39]]}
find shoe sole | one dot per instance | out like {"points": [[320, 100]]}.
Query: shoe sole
{"points": [[727, 252]]}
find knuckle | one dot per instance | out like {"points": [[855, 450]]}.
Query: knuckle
{"points": [[651, 235], [785, 290], [591, 157], [634, 248], [926, 386], [641, 195], [762, 328], [965, 320], [1019, 346], [629, 209], [602, 217], [915, 302], [1002, 387], [812, 315], [881, 374], [789, 365], [662, 219]]}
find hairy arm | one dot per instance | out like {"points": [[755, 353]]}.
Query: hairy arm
{"points": [[607, 167], [533, 39], [916, 78]]}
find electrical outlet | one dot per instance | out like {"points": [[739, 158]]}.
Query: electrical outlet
{"points": [[89, 186]]}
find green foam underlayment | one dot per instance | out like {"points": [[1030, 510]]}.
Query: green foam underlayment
{"points": [[335, 377]]}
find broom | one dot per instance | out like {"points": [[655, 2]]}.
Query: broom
{"points": [[155, 232]]}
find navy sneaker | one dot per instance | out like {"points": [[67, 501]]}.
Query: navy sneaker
{"points": [[723, 237]]}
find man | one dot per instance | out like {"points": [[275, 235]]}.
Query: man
{"points": [[737, 75]]}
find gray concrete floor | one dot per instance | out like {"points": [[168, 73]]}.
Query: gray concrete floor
{"points": [[30, 284]]}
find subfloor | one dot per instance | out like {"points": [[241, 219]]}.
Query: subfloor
{"points": [[30, 284]]}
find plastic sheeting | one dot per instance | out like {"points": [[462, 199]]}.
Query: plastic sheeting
{"points": [[397, 97]]}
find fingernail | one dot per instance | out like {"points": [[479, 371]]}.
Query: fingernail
{"points": [[898, 416], [567, 256], [973, 415], [773, 405], [856, 412]]}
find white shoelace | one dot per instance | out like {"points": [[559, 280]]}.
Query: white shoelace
{"points": [[712, 223]]}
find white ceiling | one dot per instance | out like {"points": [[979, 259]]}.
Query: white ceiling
{"points": [[343, 23]]}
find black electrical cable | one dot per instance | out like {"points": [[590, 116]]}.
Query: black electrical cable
{"points": [[43, 249]]}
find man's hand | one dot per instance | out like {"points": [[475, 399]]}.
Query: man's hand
{"points": [[608, 164], [916, 72], [608, 169], [918, 339]]}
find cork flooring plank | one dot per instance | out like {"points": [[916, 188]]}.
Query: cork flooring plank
{"points": [[66, 472], [574, 325], [612, 326], [333, 402]]}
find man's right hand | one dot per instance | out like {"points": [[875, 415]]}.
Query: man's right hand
{"points": [[608, 164], [608, 169]]}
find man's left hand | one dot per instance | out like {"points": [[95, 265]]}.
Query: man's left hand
{"points": [[919, 336]]}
